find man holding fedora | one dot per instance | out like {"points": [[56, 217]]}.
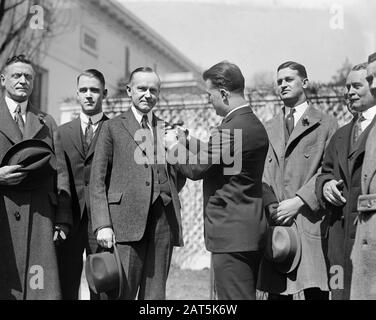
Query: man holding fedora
{"points": [[28, 194], [78, 140], [134, 192], [294, 259], [339, 184]]}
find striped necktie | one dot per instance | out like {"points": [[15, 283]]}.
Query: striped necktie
{"points": [[19, 120]]}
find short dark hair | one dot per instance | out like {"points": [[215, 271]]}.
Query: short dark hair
{"points": [[141, 69], [360, 66], [372, 57], [226, 75], [18, 58], [294, 66], [95, 74]]}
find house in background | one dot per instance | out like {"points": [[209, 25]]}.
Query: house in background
{"points": [[102, 34]]}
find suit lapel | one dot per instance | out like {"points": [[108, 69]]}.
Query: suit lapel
{"points": [[276, 134], [95, 138], [76, 136], [369, 167], [343, 147], [7, 124], [309, 119], [130, 124]]}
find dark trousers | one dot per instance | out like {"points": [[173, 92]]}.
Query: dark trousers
{"points": [[235, 275], [309, 294], [70, 260], [146, 262]]}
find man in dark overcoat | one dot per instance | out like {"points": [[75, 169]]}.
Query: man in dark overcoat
{"points": [[339, 185], [28, 268]]}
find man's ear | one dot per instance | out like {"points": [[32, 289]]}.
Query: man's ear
{"points": [[224, 94], [305, 83], [128, 90], [2, 78], [105, 93]]}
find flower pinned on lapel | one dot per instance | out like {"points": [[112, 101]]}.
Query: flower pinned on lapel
{"points": [[41, 118], [305, 121]]}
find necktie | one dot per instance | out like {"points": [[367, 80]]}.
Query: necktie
{"points": [[149, 143], [19, 120], [358, 128], [289, 121], [89, 133]]}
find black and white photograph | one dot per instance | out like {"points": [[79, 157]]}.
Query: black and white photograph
{"points": [[190, 153]]}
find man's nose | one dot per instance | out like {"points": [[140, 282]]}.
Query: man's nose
{"points": [[147, 94], [22, 79]]}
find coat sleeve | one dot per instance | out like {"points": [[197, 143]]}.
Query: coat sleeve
{"points": [[201, 157], [102, 161], [64, 213], [308, 191]]}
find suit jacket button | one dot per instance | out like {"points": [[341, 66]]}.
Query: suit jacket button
{"points": [[146, 166], [17, 216], [86, 183], [147, 183]]}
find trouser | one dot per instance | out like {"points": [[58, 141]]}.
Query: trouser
{"points": [[70, 258], [146, 262], [235, 275]]}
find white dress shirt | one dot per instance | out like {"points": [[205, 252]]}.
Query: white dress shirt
{"points": [[368, 116], [94, 119], [299, 111], [138, 115], [12, 106]]}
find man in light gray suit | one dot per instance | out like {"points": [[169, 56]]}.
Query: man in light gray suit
{"points": [[134, 198]]}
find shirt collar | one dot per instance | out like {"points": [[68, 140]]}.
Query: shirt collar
{"points": [[12, 105], [138, 115], [237, 108], [299, 109], [94, 119], [370, 113]]}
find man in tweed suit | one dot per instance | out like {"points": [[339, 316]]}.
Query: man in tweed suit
{"points": [[134, 198]]}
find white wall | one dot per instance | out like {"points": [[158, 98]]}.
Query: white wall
{"points": [[64, 58]]}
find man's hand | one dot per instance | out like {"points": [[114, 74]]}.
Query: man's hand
{"points": [[170, 138], [272, 209], [9, 175], [106, 238], [333, 194], [287, 211], [60, 233]]}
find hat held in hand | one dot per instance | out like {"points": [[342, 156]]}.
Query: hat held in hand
{"points": [[104, 272], [283, 247], [31, 154]]}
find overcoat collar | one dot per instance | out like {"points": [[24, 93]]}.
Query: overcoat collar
{"points": [[7, 124], [34, 123], [310, 118], [343, 146]]}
